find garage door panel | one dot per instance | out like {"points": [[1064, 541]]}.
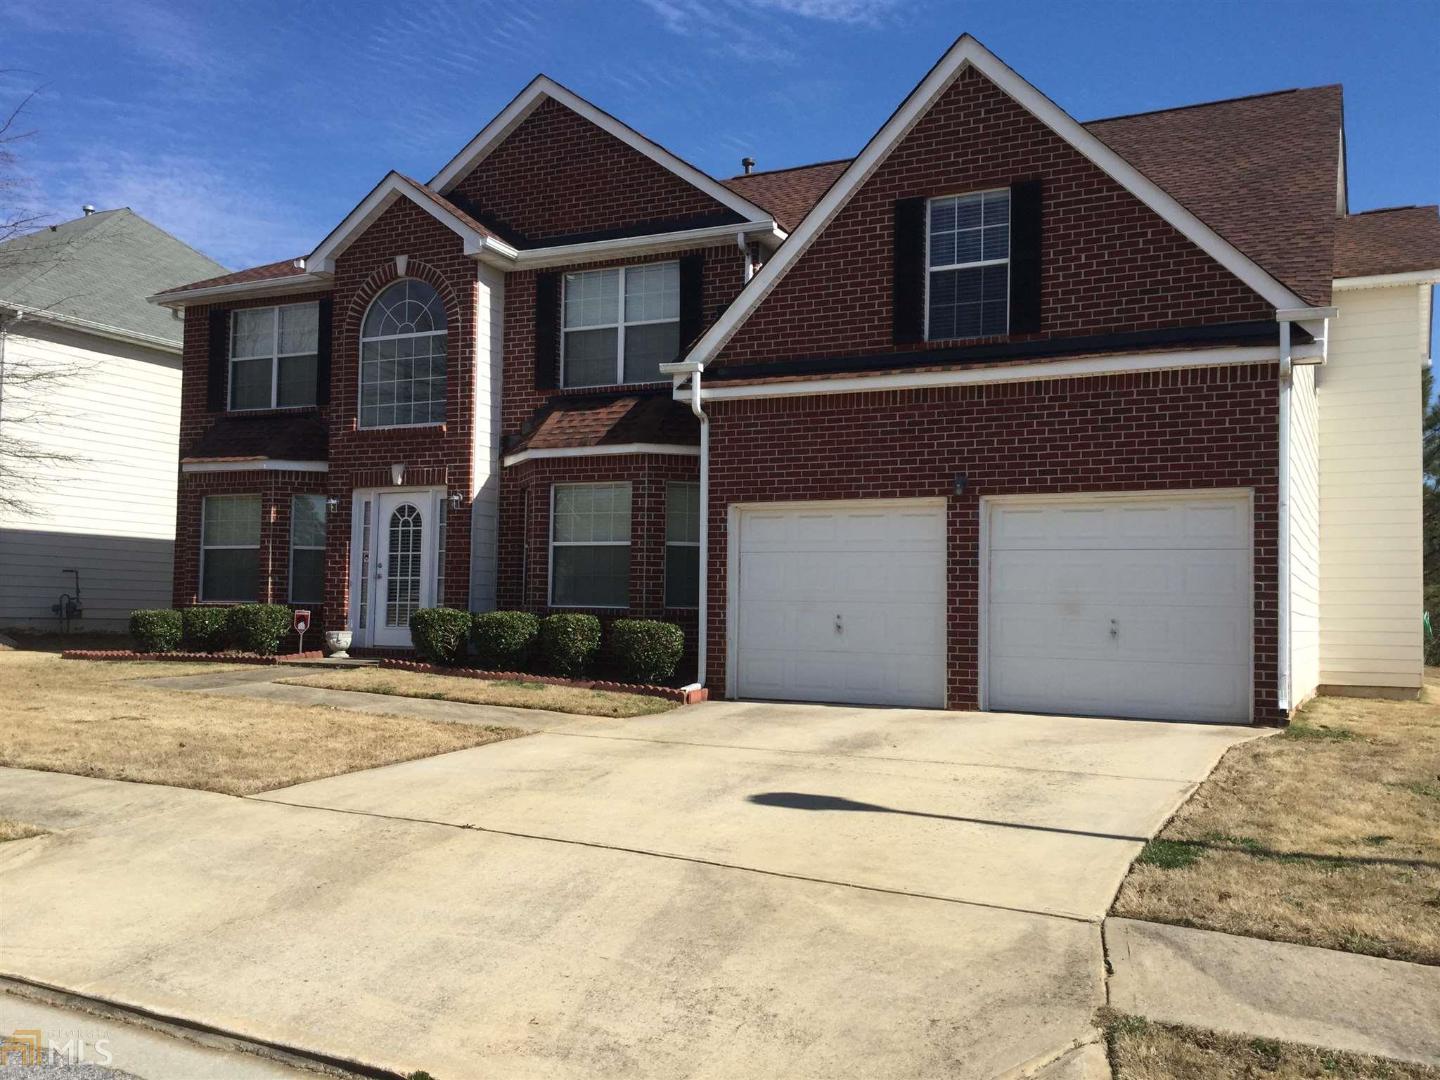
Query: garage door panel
{"points": [[881, 569], [1122, 607]]}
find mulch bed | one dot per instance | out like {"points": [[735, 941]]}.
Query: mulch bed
{"points": [[190, 657], [669, 693]]}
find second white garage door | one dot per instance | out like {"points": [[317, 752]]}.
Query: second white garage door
{"points": [[1121, 606], [841, 602]]}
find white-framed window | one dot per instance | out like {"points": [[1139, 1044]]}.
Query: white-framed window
{"points": [[402, 357], [590, 545], [307, 549], [230, 547], [620, 324], [968, 260], [274, 356], [682, 544]]}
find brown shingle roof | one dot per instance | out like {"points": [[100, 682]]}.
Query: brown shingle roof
{"points": [[282, 269], [285, 438], [1260, 171], [1389, 241], [574, 422], [788, 193]]}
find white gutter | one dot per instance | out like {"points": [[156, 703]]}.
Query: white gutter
{"points": [[766, 232], [601, 450], [105, 330], [702, 622], [1375, 281], [291, 283]]}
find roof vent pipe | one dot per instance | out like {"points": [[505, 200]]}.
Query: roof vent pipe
{"points": [[748, 164], [88, 209]]}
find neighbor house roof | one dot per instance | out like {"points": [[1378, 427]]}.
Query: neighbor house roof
{"points": [[608, 421], [96, 271], [1391, 241]]}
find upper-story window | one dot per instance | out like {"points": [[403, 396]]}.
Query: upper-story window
{"points": [[969, 265], [402, 357], [273, 356], [620, 324]]}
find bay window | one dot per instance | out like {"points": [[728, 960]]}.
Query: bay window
{"points": [[590, 545]]}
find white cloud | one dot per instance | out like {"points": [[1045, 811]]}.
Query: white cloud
{"points": [[862, 12], [223, 214]]}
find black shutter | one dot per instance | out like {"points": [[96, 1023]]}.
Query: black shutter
{"points": [[909, 276], [692, 300], [217, 372], [1025, 213], [547, 331], [322, 352]]}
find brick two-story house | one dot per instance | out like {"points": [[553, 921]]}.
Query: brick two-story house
{"points": [[1008, 411]]}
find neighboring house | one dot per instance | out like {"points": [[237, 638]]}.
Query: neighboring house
{"points": [[1017, 413], [90, 385]]}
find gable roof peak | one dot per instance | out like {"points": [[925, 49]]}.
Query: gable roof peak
{"points": [[543, 88]]}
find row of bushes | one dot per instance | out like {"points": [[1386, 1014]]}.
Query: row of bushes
{"points": [[644, 650], [251, 628]]}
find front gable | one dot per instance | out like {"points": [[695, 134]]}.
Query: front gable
{"points": [[1116, 254], [563, 171]]}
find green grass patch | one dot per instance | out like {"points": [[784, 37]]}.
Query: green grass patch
{"points": [[1301, 729], [1170, 854]]}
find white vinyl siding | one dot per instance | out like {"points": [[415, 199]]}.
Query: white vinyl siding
{"points": [[1370, 501], [1304, 537], [590, 545], [485, 479], [109, 512], [620, 325]]}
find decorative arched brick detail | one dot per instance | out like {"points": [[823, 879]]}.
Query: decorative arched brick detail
{"points": [[385, 275]]}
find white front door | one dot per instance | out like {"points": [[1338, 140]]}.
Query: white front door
{"points": [[841, 602], [403, 561], [1128, 605]]}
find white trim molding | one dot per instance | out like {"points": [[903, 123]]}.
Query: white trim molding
{"points": [[965, 53], [603, 450], [1379, 281], [299, 282], [765, 232], [1075, 367], [396, 186], [254, 465], [542, 87]]}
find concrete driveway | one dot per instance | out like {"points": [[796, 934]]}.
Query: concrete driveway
{"points": [[729, 890]]}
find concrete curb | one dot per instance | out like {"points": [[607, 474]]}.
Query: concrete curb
{"points": [[1292, 993]]}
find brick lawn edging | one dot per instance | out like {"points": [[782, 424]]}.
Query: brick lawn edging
{"points": [[669, 693], [193, 657]]}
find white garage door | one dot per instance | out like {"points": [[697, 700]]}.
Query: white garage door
{"points": [[1121, 607], [842, 602]]}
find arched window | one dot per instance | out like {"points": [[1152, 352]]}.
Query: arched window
{"points": [[402, 357]]}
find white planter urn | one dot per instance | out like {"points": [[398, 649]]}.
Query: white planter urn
{"points": [[337, 641]]}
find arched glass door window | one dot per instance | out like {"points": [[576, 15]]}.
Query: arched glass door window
{"points": [[402, 357], [402, 591]]}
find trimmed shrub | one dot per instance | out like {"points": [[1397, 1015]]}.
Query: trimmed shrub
{"points": [[647, 650], [156, 630], [439, 633], [203, 628], [258, 628], [503, 640], [569, 643]]}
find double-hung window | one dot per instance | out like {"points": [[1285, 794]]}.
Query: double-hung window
{"points": [[590, 545], [969, 265], [620, 325], [307, 549], [230, 547], [682, 545], [273, 356]]}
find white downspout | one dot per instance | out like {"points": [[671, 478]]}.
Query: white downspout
{"points": [[749, 267], [702, 629], [1282, 514]]}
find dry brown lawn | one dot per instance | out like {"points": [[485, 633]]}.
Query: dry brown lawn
{"points": [[16, 830], [513, 693], [93, 718], [1325, 834], [1144, 1050]]}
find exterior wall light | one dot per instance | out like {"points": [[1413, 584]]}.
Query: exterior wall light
{"points": [[961, 480], [332, 503], [455, 499]]}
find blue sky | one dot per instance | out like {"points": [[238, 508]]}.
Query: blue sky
{"points": [[249, 129]]}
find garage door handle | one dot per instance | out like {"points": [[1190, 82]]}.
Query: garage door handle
{"points": [[1114, 628], [839, 626]]}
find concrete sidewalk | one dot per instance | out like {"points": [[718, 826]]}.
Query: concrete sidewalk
{"points": [[1292, 993]]}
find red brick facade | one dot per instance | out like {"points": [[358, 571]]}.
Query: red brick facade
{"points": [[1109, 263], [559, 175], [1202, 428]]}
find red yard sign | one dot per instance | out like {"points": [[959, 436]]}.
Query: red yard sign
{"points": [[302, 620]]}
